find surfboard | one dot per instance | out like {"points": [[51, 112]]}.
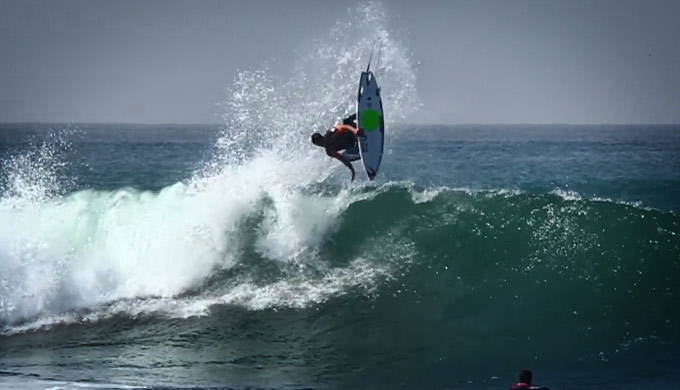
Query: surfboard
{"points": [[370, 118]]}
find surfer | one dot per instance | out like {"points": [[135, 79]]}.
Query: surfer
{"points": [[343, 137], [525, 378]]}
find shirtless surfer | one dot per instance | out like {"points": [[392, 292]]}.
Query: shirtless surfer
{"points": [[342, 137]]}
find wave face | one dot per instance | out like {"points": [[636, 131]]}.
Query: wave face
{"points": [[499, 279], [492, 270]]}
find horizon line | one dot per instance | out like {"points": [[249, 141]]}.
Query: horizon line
{"points": [[400, 124]]}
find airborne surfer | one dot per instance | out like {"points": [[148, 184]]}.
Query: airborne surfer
{"points": [[343, 137]]}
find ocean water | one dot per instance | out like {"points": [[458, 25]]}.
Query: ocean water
{"points": [[238, 256], [480, 251]]}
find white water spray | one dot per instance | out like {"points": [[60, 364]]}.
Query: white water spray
{"points": [[90, 249]]}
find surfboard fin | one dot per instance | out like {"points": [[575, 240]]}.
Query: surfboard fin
{"points": [[377, 66], [370, 57]]}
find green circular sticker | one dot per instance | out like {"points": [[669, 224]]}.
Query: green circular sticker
{"points": [[370, 120]]}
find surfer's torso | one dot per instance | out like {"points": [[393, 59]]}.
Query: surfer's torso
{"points": [[340, 138]]}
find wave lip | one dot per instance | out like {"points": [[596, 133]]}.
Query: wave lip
{"points": [[323, 256]]}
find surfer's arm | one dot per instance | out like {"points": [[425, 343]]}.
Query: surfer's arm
{"points": [[343, 128], [343, 160]]}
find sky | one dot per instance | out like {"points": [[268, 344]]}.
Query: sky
{"points": [[491, 61]]}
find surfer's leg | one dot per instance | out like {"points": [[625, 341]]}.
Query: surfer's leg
{"points": [[350, 120], [351, 156]]}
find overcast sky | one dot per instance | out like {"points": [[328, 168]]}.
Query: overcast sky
{"points": [[566, 61]]}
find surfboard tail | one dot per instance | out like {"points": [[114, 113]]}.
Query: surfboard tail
{"points": [[371, 173]]}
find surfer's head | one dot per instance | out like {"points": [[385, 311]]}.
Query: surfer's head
{"points": [[317, 139], [525, 377]]}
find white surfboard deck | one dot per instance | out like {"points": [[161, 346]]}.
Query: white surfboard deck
{"points": [[370, 118]]}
